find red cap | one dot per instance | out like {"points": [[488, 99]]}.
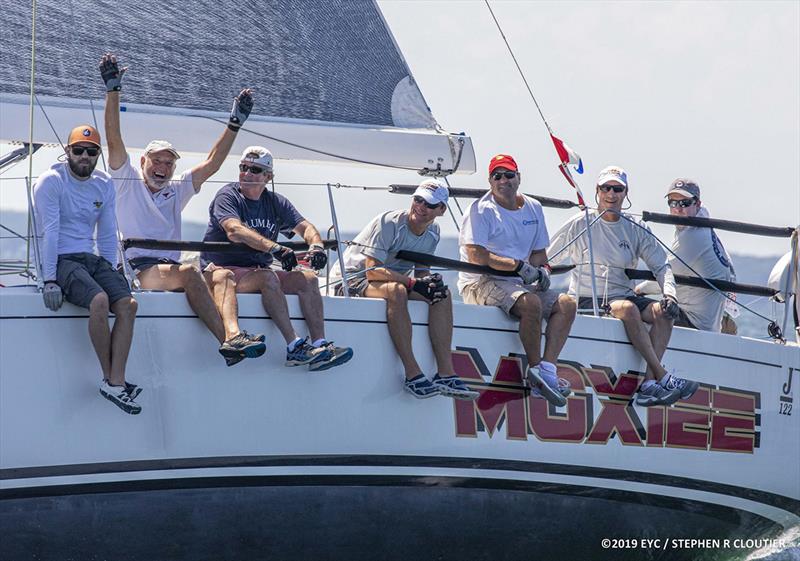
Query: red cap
{"points": [[502, 161], [84, 133]]}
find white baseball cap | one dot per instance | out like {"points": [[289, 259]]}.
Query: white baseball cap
{"points": [[433, 191], [159, 145], [612, 173], [258, 155]]}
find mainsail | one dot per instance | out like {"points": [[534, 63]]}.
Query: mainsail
{"points": [[331, 83]]}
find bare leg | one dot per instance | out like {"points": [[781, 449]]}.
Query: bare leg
{"points": [[306, 286], [223, 290], [558, 326], [661, 329], [638, 336], [528, 308], [188, 277], [100, 334], [440, 332], [399, 321], [121, 336], [272, 298]]}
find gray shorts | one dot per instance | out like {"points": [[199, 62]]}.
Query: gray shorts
{"points": [[357, 285], [641, 302], [82, 276], [489, 291]]}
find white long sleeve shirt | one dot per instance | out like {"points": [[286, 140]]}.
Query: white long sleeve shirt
{"points": [[617, 246], [67, 213]]}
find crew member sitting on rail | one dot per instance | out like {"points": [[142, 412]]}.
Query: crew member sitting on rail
{"points": [[703, 254], [247, 212], [149, 205], [72, 200], [618, 242], [374, 271], [506, 230]]}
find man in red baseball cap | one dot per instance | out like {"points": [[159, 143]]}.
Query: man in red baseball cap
{"points": [[75, 205], [506, 230]]}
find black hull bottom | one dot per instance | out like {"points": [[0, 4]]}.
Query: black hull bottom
{"points": [[336, 517]]}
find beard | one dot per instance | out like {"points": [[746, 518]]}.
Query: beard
{"points": [[81, 169]]}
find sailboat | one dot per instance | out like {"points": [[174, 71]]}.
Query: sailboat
{"points": [[262, 462]]}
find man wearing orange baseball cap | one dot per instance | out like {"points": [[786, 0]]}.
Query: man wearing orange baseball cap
{"points": [[506, 230], [74, 205]]}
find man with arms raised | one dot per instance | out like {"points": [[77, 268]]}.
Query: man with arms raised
{"points": [[374, 271], [71, 201], [506, 230], [247, 212], [619, 241], [149, 205], [700, 249]]}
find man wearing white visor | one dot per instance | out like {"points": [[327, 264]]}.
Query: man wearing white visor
{"points": [[374, 271]]}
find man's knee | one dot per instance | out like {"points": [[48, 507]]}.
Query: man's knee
{"points": [[567, 305], [528, 306], [659, 315], [125, 307], [269, 282], [396, 293], [191, 277], [310, 281], [625, 310], [99, 304], [221, 276]]}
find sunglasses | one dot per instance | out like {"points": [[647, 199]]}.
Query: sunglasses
{"points": [[79, 150], [615, 188], [420, 201], [498, 175], [244, 168], [683, 203]]}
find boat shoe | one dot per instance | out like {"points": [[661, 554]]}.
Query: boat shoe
{"points": [[452, 386], [118, 395]]}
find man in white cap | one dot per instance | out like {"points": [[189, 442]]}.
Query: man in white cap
{"points": [[505, 230], [149, 205], [374, 271], [247, 212], [619, 241], [699, 252]]}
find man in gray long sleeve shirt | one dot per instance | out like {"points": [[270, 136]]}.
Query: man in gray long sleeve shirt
{"points": [[71, 201], [619, 241]]}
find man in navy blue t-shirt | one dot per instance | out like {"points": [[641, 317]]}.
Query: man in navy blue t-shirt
{"points": [[246, 212]]}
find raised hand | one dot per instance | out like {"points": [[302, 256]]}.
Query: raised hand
{"points": [[111, 72]]}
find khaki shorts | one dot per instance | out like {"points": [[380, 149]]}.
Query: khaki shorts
{"points": [[503, 293]]}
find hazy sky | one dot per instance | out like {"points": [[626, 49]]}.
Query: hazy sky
{"points": [[707, 90]]}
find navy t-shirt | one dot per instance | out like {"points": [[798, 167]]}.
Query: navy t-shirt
{"points": [[269, 215]]}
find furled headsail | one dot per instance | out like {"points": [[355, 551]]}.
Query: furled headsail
{"points": [[331, 83]]}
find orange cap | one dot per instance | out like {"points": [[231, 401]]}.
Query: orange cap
{"points": [[84, 133]]}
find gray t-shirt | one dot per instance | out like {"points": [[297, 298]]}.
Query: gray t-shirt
{"points": [[382, 238]]}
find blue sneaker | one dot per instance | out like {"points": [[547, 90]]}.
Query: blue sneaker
{"points": [[330, 356], [420, 387], [452, 386], [546, 385], [686, 387]]}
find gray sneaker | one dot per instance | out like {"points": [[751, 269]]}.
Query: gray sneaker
{"points": [[336, 356], [541, 388], [452, 386], [686, 387], [656, 394], [303, 353]]}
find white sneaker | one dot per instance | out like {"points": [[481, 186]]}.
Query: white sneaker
{"points": [[541, 386], [119, 396]]}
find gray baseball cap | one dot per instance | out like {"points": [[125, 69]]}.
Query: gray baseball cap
{"points": [[685, 187]]}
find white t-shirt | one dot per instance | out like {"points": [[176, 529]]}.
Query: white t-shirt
{"points": [[382, 238], [67, 211], [143, 214], [617, 246], [507, 233]]}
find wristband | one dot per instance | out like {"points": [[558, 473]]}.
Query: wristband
{"points": [[234, 128]]}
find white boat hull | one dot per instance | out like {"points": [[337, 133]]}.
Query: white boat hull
{"points": [[264, 460]]}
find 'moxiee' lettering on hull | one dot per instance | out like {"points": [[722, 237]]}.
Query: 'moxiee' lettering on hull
{"points": [[714, 418]]}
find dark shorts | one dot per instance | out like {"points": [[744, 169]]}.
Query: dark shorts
{"points": [[82, 276], [141, 264], [641, 302], [357, 285], [684, 321]]}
